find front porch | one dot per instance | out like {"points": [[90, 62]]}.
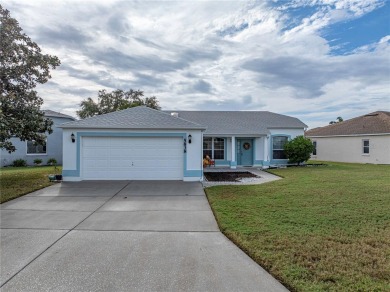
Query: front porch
{"points": [[233, 151], [239, 151]]}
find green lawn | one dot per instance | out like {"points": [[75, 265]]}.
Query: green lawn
{"points": [[323, 228], [18, 181]]}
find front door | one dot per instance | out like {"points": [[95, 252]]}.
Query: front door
{"points": [[245, 152]]}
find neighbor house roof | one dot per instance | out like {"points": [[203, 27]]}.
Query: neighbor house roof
{"points": [[50, 113], [373, 123], [240, 122], [140, 117]]}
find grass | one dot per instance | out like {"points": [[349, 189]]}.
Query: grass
{"points": [[18, 181], [324, 228]]}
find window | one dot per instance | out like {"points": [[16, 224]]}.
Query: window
{"points": [[277, 147], [214, 147], [315, 148], [35, 148], [208, 147], [219, 148], [366, 146]]}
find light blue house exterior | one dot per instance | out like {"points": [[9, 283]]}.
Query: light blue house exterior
{"points": [[145, 144], [28, 151], [245, 138]]}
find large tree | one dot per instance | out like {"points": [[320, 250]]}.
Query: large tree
{"points": [[115, 101], [22, 67]]}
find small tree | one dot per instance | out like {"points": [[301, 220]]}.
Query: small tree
{"points": [[298, 149], [338, 120]]}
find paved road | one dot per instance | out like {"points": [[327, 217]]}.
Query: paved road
{"points": [[121, 236]]}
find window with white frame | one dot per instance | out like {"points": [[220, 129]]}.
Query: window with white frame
{"points": [[366, 146], [35, 148], [207, 147], [315, 148], [214, 147], [278, 147]]}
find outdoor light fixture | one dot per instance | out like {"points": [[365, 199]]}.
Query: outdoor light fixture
{"points": [[189, 138], [73, 138]]}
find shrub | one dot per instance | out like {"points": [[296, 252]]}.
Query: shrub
{"points": [[37, 161], [298, 149], [52, 161], [19, 163]]}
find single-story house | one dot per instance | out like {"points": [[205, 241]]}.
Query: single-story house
{"points": [[365, 139], [29, 150], [141, 143]]}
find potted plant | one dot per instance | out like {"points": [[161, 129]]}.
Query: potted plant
{"points": [[56, 176], [37, 161]]}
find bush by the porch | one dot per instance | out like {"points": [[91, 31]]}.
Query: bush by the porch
{"points": [[298, 149]]}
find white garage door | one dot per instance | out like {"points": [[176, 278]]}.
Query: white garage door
{"points": [[132, 158]]}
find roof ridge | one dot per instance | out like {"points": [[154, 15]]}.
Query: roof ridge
{"points": [[136, 117], [200, 111], [164, 112]]}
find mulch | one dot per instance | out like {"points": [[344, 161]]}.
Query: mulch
{"points": [[227, 176]]}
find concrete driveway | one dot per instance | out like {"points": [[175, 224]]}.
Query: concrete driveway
{"points": [[121, 236]]}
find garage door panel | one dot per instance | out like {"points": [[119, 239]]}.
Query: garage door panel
{"points": [[132, 158], [92, 142], [95, 162], [157, 164], [118, 163], [95, 152]]}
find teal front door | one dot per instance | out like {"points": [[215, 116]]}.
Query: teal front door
{"points": [[245, 152]]}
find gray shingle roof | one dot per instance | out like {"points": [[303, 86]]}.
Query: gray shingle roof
{"points": [[50, 113], [373, 123], [240, 122], [140, 117]]}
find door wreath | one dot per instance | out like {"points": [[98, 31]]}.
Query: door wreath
{"points": [[247, 146]]}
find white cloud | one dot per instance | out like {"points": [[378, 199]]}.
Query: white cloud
{"points": [[217, 55]]}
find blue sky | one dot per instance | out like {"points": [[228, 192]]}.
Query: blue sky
{"points": [[346, 36], [312, 59]]}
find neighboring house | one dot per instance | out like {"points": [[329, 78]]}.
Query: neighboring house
{"points": [[144, 144], [28, 150], [365, 139]]}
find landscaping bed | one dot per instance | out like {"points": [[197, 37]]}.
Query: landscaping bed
{"points": [[228, 176], [318, 229]]}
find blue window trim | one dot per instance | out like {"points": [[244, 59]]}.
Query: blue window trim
{"points": [[76, 172], [277, 161]]}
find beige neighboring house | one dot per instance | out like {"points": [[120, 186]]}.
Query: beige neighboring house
{"points": [[365, 139]]}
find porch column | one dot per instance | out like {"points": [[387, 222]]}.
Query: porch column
{"points": [[233, 162], [266, 161]]}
